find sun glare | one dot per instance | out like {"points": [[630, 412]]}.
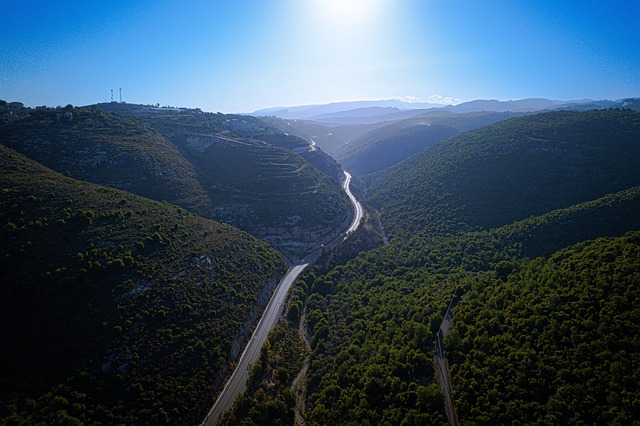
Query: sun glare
{"points": [[347, 14]]}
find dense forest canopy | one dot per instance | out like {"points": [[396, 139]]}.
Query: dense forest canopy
{"points": [[556, 340]]}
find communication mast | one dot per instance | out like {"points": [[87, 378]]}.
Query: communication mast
{"points": [[121, 95], [111, 95]]}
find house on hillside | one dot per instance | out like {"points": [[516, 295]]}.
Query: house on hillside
{"points": [[12, 111], [66, 115], [238, 125]]}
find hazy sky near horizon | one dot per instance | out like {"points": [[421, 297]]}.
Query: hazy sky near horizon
{"points": [[242, 55]]}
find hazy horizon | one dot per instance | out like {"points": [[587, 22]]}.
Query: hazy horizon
{"points": [[242, 57]]}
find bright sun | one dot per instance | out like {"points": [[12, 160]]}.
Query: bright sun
{"points": [[345, 6], [347, 33], [347, 13]]}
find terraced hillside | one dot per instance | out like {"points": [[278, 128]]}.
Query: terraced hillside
{"points": [[261, 180], [126, 310], [224, 167]]}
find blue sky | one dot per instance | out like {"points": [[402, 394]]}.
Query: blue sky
{"points": [[241, 55]]}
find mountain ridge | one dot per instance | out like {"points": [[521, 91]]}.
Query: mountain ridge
{"points": [[390, 144], [572, 157], [305, 111], [341, 112]]}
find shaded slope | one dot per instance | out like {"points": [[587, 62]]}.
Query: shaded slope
{"points": [[393, 143], [115, 308], [108, 149], [367, 155], [509, 170], [612, 215]]}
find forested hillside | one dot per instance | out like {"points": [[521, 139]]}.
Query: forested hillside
{"points": [[380, 312], [373, 320], [531, 331], [116, 309], [510, 170], [555, 340], [388, 145]]}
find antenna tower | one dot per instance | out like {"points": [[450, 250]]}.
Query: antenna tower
{"points": [[112, 95], [121, 95]]}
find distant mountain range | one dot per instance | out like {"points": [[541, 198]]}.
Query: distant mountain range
{"points": [[311, 112], [367, 112]]}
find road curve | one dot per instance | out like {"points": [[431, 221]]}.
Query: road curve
{"points": [[238, 379], [359, 212]]}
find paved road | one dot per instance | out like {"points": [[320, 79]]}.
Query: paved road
{"points": [[356, 205], [238, 379]]}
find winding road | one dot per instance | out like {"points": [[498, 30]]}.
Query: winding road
{"points": [[238, 379], [359, 212]]}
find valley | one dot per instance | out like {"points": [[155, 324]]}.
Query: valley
{"points": [[223, 257], [225, 168], [319, 212], [269, 319], [467, 216]]}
